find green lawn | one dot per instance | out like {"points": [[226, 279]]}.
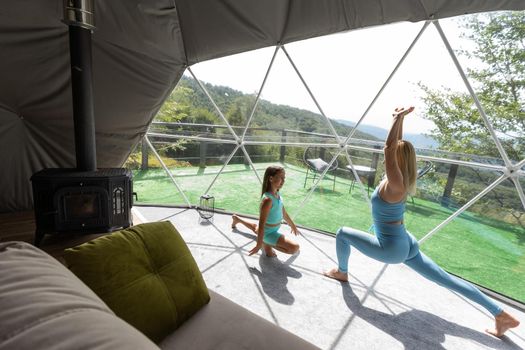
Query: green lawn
{"points": [[485, 251]]}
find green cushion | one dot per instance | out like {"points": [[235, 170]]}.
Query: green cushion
{"points": [[145, 274]]}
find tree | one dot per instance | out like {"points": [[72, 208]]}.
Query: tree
{"points": [[499, 41], [499, 82], [235, 116]]}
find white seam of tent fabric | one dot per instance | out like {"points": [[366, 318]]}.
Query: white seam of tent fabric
{"points": [[464, 207], [167, 170]]}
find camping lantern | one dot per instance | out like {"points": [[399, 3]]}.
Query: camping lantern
{"points": [[206, 206]]}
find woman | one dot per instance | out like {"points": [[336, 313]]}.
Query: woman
{"points": [[392, 243]]}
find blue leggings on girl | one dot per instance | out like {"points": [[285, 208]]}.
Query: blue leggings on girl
{"points": [[392, 244]]}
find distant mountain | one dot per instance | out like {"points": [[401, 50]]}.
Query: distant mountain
{"points": [[421, 140], [418, 140]]}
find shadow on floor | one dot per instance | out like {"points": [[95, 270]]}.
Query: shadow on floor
{"points": [[417, 329], [250, 234], [273, 277]]}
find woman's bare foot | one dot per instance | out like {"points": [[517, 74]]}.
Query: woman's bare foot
{"points": [[268, 250], [336, 274], [504, 321]]}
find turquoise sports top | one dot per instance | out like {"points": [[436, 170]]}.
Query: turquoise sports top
{"points": [[384, 212], [276, 212]]}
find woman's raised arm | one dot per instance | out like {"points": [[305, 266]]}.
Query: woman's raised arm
{"points": [[394, 187]]}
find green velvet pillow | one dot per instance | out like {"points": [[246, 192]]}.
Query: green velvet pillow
{"points": [[145, 274]]}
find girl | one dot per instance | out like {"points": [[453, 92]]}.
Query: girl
{"points": [[392, 243], [271, 215]]}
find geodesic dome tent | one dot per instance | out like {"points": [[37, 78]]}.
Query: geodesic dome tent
{"points": [[140, 52]]}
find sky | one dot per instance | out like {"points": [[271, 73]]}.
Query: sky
{"points": [[345, 72]]}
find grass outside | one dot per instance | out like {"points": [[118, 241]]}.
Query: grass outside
{"points": [[485, 251]]}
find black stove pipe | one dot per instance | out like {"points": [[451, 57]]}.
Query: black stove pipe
{"points": [[78, 15]]}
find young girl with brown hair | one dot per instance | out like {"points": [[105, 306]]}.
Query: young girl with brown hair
{"points": [[271, 216]]}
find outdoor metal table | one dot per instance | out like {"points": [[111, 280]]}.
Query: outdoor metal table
{"points": [[363, 171]]}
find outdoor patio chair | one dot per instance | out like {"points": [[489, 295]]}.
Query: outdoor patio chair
{"points": [[317, 160]]}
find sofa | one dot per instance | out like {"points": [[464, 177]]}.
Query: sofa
{"points": [[44, 305]]}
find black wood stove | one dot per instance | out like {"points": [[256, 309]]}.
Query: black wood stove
{"points": [[73, 201], [84, 199]]}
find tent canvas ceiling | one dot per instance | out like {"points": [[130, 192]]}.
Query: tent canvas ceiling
{"points": [[140, 50]]}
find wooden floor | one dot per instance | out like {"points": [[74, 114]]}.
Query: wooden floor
{"points": [[21, 226]]}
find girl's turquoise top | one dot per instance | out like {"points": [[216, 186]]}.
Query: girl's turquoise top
{"points": [[276, 212]]}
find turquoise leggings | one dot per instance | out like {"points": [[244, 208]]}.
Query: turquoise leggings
{"points": [[392, 244]]}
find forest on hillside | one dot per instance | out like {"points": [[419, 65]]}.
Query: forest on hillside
{"points": [[188, 112], [189, 104]]}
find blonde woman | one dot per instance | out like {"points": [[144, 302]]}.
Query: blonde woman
{"points": [[392, 243]]}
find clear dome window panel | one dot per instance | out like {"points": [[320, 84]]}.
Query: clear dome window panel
{"points": [[446, 122], [207, 160], [304, 166], [284, 130], [345, 72], [485, 244], [150, 180], [495, 77], [153, 186], [266, 128], [441, 191], [193, 164], [264, 155], [285, 104], [236, 75], [328, 209], [189, 112], [368, 166], [294, 156], [151, 183], [237, 189], [233, 82]]}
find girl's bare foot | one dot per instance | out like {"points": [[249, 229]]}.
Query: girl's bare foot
{"points": [[336, 274], [504, 321], [236, 220], [268, 250]]}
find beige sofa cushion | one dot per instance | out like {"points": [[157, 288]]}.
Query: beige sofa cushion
{"points": [[44, 306], [224, 325]]}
